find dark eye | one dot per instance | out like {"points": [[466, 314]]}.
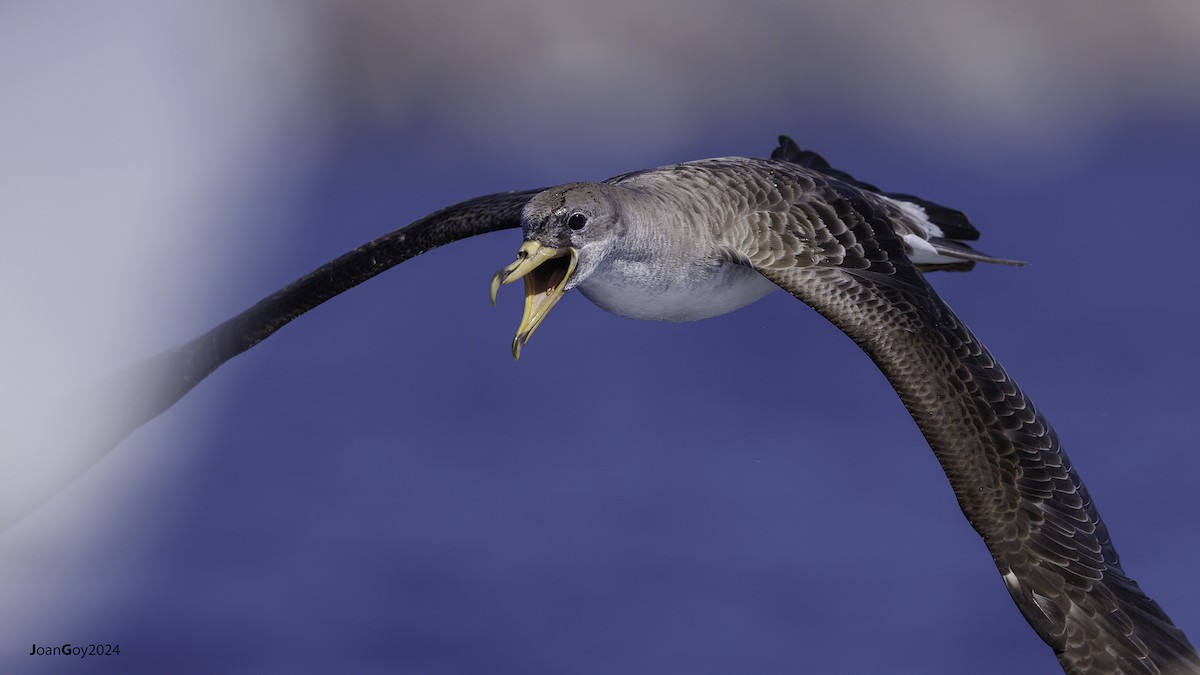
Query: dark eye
{"points": [[577, 221]]}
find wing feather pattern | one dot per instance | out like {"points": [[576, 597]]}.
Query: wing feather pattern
{"points": [[838, 251]]}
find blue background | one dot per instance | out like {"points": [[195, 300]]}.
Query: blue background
{"points": [[380, 488]]}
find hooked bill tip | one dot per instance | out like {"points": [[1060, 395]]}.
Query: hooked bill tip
{"points": [[497, 279]]}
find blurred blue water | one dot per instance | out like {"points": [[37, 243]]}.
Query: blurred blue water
{"points": [[384, 490]]}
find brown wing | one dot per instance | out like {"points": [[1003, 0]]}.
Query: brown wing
{"points": [[836, 251]]}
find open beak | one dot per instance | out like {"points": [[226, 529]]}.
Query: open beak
{"points": [[545, 271]]}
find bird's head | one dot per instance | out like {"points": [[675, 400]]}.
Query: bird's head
{"points": [[569, 231]]}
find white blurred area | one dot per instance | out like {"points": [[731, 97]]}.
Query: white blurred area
{"points": [[139, 140], [146, 145]]}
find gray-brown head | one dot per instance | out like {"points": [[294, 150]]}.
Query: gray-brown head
{"points": [[569, 231]]}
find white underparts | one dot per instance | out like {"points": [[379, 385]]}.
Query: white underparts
{"points": [[696, 292]]}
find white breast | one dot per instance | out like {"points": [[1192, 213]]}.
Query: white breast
{"points": [[640, 291]]}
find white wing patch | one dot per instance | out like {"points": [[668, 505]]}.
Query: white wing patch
{"points": [[920, 251], [918, 216]]}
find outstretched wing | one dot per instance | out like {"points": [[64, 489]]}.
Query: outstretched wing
{"points": [[835, 247], [148, 388], [174, 372]]}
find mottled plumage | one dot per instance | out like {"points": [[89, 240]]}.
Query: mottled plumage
{"points": [[701, 238]]}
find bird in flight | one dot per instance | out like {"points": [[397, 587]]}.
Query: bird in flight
{"points": [[699, 239]]}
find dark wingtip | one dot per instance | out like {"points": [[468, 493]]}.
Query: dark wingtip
{"points": [[786, 150], [789, 151]]}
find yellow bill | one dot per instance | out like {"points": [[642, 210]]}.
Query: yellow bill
{"points": [[545, 271]]}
